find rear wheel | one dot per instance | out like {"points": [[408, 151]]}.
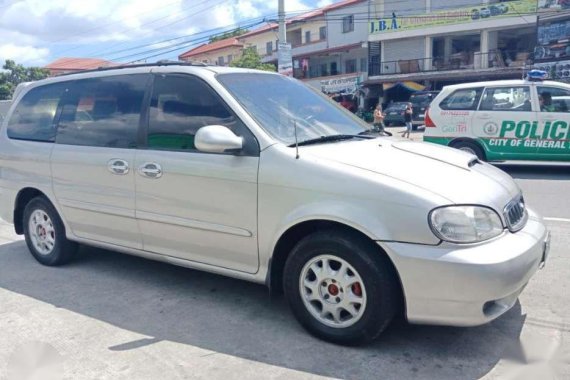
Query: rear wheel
{"points": [[45, 233], [340, 288], [470, 147]]}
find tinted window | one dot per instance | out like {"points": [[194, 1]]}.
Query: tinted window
{"points": [[554, 99], [103, 112], [465, 99], [506, 99], [34, 116], [182, 104]]}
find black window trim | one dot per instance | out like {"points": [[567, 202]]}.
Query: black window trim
{"points": [[145, 123]]}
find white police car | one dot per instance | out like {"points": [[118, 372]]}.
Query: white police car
{"points": [[504, 120]]}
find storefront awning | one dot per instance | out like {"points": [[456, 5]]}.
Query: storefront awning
{"points": [[408, 85]]}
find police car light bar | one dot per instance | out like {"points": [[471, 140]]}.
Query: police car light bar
{"points": [[536, 75]]}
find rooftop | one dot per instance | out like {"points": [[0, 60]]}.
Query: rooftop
{"points": [[206, 48], [78, 64]]}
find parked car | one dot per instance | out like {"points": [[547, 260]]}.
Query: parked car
{"points": [[395, 113], [485, 13], [503, 120], [420, 102], [475, 15], [253, 175]]}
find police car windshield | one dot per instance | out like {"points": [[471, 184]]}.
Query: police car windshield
{"points": [[279, 104]]}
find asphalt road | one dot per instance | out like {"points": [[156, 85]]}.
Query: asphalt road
{"points": [[112, 316]]}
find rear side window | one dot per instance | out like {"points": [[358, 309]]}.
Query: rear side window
{"points": [[465, 99], [513, 99], [34, 116], [103, 112]]}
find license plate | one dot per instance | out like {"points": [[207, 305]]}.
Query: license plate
{"points": [[393, 113]]}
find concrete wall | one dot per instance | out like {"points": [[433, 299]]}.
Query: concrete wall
{"points": [[334, 25]]}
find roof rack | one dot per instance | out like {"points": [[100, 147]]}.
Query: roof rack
{"points": [[132, 66]]}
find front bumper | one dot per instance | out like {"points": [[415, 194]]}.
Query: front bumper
{"points": [[468, 285]]}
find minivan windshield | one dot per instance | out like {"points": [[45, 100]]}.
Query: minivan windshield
{"points": [[278, 103]]}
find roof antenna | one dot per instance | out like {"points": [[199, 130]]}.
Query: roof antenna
{"points": [[296, 141]]}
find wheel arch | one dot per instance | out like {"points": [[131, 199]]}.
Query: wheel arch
{"points": [[23, 197], [469, 140], [295, 233]]}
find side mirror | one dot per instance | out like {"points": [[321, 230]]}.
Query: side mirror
{"points": [[217, 139]]}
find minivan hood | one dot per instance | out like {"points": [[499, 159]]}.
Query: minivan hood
{"points": [[455, 175]]}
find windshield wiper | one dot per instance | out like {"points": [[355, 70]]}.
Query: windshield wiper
{"points": [[324, 139]]}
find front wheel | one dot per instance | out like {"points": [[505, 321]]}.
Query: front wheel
{"points": [[45, 233], [340, 287], [470, 147]]}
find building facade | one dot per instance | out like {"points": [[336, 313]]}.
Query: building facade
{"points": [[439, 42], [552, 52]]}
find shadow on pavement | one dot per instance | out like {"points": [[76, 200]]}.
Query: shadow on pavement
{"points": [[168, 303]]}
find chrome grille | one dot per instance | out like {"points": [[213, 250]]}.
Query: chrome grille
{"points": [[516, 214]]}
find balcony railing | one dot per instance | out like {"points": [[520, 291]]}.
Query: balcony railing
{"points": [[458, 61]]}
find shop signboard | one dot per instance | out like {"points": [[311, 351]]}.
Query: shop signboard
{"points": [[474, 13], [553, 41], [347, 84], [285, 59]]}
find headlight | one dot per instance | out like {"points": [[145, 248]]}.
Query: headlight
{"points": [[465, 224]]}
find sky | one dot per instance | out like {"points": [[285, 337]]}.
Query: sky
{"points": [[37, 32]]}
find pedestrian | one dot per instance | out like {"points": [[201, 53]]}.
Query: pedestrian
{"points": [[378, 119], [408, 119]]}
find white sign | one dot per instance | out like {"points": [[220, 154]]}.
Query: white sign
{"points": [[284, 59], [346, 84]]}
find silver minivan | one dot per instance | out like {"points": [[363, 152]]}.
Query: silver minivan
{"points": [[253, 175]]}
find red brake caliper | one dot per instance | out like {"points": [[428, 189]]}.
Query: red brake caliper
{"points": [[356, 289]]}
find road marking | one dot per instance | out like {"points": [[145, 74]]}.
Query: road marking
{"points": [[558, 219]]}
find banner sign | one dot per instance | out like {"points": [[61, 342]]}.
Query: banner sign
{"points": [[284, 59], [483, 12], [345, 84]]}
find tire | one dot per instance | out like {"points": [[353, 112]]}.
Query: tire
{"points": [[470, 147], [376, 293], [45, 234]]}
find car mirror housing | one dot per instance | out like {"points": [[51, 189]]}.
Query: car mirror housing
{"points": [[217, 139]]}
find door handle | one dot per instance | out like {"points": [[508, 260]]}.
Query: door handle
{"points": [[118, 166], [484, 116], [150, 170]]}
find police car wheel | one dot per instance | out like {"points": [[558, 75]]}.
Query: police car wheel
{"points": [[470, 147]]}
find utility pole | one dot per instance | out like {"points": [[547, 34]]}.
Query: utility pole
{"points": [[284, 57], [281, 16]]}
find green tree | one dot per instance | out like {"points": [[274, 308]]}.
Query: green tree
{"points": [[232, 33], [251, 60], [14, 74]]}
